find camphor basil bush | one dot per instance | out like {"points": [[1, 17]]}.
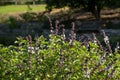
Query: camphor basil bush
{"points": [[59, 58]]}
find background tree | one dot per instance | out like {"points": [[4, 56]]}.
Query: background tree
{"points": [[94, 6]]}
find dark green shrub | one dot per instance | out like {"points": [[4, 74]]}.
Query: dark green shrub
{"points": [[7, 40], [13, 22], [28, 16]]}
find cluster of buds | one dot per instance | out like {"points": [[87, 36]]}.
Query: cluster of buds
{"points": [[102, 59], [56, 27], [29, 39], [94, 38], [86, 72], [63, 33], [97, 42], [51, 26], [110, 74], [61, 59], [117, 47], [106, 40], [33, 49], [72, 34], [110, 65]]}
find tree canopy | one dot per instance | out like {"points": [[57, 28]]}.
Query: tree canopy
{"points": [[94, 6]]}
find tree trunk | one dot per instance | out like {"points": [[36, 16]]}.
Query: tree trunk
{"points": [[16, 2], [98, 17], [33, 2], [96, 13], [94, 9]]}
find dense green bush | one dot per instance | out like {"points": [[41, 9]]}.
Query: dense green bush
{"points": [[28, 16], [13, 22], [58, 58]]}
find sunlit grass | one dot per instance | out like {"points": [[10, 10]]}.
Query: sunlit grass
{"points": [[21, 8]]}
